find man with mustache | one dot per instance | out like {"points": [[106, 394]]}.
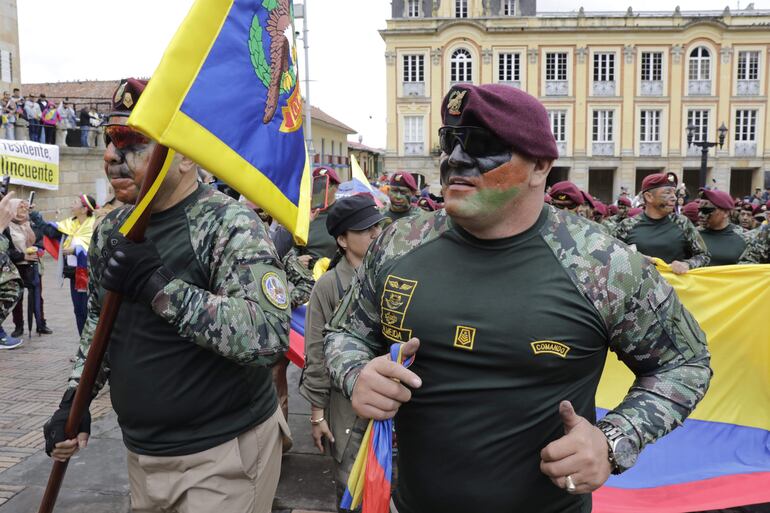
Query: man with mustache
{"points": [[205, 312], [659, 232], [505, 303]]}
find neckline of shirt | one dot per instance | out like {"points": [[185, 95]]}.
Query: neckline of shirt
{"points": [[504, 243]]}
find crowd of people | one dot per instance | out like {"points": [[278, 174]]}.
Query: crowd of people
{"points": [[44, 121], [467, 282]]}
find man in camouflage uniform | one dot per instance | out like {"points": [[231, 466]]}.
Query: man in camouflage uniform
{"points": [[205, 312], [758, 248], [659, 232], [402, 189], [724, 240], [513, 305], [10, 281]]}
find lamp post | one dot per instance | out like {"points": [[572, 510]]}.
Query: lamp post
{"points": [[300, 11], [704, 148]]}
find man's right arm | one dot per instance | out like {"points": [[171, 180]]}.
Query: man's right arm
{"points": [[757, 249]]}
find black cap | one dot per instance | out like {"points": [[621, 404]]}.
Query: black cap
{"points": [[356, 213]]}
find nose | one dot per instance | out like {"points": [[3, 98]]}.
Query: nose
{"points": [[112, 155], [459, 158]]}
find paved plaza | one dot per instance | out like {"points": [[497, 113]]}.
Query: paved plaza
{"points": [[32, 381]]}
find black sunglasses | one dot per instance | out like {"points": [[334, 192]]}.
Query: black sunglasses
{"points": [[706, 211], [477, 142]]}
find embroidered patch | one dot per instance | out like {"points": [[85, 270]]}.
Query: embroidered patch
{"points": [[393, 305], [128, 100], [119, 93], [275, 290], [455, 104], [550, 347], [464, 337]]}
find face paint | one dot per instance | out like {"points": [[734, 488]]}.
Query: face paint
{"points": [[489, 192], [399, 198]]}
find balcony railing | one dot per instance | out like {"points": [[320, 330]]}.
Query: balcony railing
{"points": [[414, 148], [748, 88], [556, 88], [414, 88], [603, 149], [562, 147], [604, 88], [699, 87], [650, 149], [745, 148], [652, 88], [512, 83]]}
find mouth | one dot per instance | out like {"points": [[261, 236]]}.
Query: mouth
{"points": [[460, 183]]}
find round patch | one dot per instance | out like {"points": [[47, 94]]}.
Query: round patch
{"points": [[275, 290]]}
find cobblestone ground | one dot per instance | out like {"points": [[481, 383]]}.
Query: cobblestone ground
{"points": [[32, 381]]}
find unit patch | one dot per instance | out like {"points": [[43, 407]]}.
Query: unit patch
{"points": [[393, 305], [550, 347], [464, 337], [275, 290]]}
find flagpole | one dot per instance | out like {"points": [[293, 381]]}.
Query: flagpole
{"points": [[98, 347], [308, 108]]}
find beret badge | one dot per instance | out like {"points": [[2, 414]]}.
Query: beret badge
{"points": [[128, 100], [119, 92], [455, 103]]}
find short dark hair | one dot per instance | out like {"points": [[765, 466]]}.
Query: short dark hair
{"points": [[15, 89]]}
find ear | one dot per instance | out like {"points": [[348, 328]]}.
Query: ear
{"points": [[540, 172], [188, 165], [342, 241]]}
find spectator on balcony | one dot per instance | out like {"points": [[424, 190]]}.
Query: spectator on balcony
{"points": [[34, 115], [51, 119], [85, 126], [8, 110], [67, 122]]}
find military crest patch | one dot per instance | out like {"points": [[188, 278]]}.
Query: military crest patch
{"points": [[455, 104], [465, 337], [394, 302], [275, 291]]}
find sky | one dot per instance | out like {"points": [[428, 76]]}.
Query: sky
{"points": [[108, 40]]}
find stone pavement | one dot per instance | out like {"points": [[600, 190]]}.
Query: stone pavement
{"points": [[32, 380]]}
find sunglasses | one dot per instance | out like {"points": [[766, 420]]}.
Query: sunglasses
{"points": [[123, 137], [706, 211], [477, 142]]}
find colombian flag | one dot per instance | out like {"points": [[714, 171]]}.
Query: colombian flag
{"points": [[78, 237], [720, 456], [296, 352], [226, 94]]}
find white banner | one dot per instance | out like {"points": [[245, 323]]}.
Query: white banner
{"points": [[29, 163]]}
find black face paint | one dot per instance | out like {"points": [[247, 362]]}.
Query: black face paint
{"points": [[460, 163]]}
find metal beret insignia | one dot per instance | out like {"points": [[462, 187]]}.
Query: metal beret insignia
{"points": [[128, 100], [455, 104], [119, 92], [275, 290]]}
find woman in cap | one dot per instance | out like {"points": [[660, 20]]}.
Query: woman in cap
{"points": [[354, 222]]}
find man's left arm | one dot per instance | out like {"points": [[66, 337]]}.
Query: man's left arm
{"points": [[661, 342], [10, 281], [300, 279], [697, 247]]}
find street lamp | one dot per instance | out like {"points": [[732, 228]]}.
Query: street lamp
{"points": [[704, 148]]}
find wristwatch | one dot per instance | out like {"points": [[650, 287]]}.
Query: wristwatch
{"points": [[622, 451]]}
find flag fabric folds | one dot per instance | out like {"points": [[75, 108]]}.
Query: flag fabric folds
{"points": [[75, 236], [720, 456], [370, 477], [359, 184], [296, 352], [226, 94]]}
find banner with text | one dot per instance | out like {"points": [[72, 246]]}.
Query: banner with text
{"points": [[29, 163]]}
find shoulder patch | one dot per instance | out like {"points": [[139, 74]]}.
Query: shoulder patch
{"points": [[275, 290]]}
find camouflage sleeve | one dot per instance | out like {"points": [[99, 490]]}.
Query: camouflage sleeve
{"points": [[757, 248], [300, 279], [10, 281], [700, 254], [621, 229], [244, 316], [660, 341]]}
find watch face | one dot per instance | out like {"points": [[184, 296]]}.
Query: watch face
{"points": [[625, 453]]}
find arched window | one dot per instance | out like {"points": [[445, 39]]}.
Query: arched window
{"points": [[700, 64], [461, 66]]}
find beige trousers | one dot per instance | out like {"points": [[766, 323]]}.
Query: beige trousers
{"points": [[240, 475]]}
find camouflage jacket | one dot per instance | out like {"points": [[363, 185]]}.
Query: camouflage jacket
{"points": [[10, 281], [649, 329], [700, 256], [300, 279], [233, 318], [757, 248]]}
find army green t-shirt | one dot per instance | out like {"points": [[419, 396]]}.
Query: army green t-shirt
{"points": [[726, 246], [670, 238], [319, 243]]}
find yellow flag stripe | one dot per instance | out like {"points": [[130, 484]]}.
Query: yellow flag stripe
{"points": [[142, 206]]}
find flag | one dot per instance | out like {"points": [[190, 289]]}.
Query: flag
{"points": [[720, 456], [296, 352], [77, 236], [370, 478], [359, 184], [226, 94]]}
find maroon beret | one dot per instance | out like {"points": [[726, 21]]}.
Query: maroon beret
{"points": [[633, 212], [720, 199], [758, 210], [513, 116], [600, 207], [327, 171], [126, 95], [587, 198], [427, 204], [403, 179], [690, 211], [623, 200], [612, 209], [747, 206], [767, 205], [566, 192], [657, 180]]}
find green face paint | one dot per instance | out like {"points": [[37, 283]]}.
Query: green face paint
{"points": [[493, 191]]}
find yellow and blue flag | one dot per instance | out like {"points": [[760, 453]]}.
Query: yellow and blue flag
{"points": [[226, 94]]}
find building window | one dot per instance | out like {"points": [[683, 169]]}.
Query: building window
{"points": [[413, 9], [652, 66], [748, 65], [745, 125], [649, 129], [700, 64], [604, 67], [461, 8], [508, 67], [602, 126], [6, 69], [414, 75], [558, 124], [413, 135], [509, 7], [461, 66], [556, 66], [700, 120]]}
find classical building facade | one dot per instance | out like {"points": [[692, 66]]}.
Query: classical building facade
{"points": [[621, 88], [9, 46]]}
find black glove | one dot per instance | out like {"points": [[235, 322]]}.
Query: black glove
{"points": [[134, 269], [53, 430]]}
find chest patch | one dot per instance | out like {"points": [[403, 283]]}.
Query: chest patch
{"points": [[394, 303], [464, 337], [550, 347]]}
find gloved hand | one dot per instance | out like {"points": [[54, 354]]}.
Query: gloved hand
{"points": [[134, 269], [53, 430]]}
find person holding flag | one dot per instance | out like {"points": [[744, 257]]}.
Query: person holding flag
{"points": [[505, 308], [205, 312]]}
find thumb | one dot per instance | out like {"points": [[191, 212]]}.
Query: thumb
{"points": [[569, 418], [411, 347], [82, 440]]}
